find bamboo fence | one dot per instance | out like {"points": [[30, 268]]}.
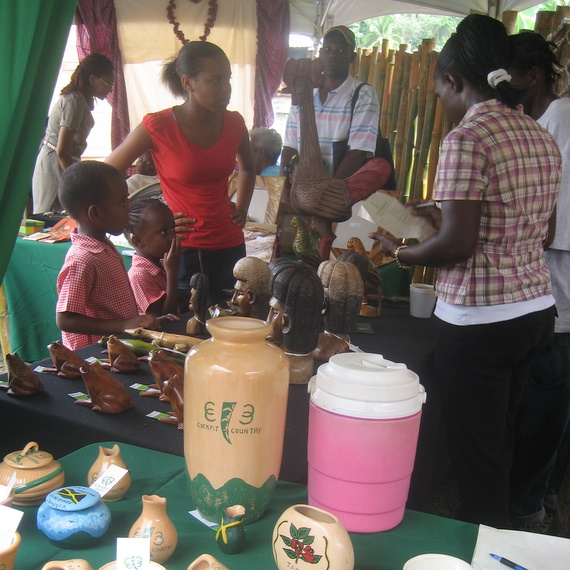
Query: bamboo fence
{"points": [[411, 116]]}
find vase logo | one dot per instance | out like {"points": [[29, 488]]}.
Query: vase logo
{"points": [[229, 419]]}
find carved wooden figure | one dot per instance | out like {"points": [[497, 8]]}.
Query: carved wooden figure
{"points": [[252, 293], [343, 294], [22, 380], [121, 358], [198, 304], [67, 363], [107, 394], [313, 192], [162, 369]]}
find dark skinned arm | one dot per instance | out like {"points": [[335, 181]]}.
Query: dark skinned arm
{"points": [[454, 242], [351, 163], [551, 230], [81, 324]]}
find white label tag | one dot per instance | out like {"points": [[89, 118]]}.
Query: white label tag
{"points": [[107, 480], [9, 521], [199, 517], [133, 553]]}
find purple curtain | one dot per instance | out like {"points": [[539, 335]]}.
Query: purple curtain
{"points": [[272, 54], [97, 33]]}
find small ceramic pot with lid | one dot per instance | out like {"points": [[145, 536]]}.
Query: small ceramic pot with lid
{"points": [[37, 473], [74, 517]]}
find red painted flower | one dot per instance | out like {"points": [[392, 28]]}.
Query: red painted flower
{"points": [[297, 546], [308, 554]]}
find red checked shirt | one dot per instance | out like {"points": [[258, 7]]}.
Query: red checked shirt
{"points": [[93, 282], [504, 159], [148, 282]]}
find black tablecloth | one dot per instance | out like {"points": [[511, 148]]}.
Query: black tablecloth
{"points": [[60, 426]]}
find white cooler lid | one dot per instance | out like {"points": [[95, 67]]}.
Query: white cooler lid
{"points": [[367, 386]]}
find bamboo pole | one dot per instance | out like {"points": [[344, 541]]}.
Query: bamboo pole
{"points": [[409, 135], [417, 174], [387, 90], [4, 324], [509, 19], [403, 117], [373, 75], [383, 57], [434, 148], [396, 94]]}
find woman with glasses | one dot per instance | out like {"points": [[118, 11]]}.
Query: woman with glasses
{"points": [[69, 124]]}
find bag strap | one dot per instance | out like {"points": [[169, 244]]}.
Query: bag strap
{"points": [[354, 100]]}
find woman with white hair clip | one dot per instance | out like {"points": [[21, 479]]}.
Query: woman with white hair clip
{"points": [[497, 183]]}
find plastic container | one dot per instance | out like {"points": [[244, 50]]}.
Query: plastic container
{"points": [[364, 420]]}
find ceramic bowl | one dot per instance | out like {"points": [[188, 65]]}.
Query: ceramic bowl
{"points": [[113, 566], [37, 473], [436, 562], [73, 517]]}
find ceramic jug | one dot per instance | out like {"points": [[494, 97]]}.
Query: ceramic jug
{"points": [[206, 562], [230, 535], [73, 564], [236, 390], [107, 457], [155, 524], [313, 536]]}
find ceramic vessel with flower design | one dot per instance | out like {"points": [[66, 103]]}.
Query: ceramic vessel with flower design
{"points": [[309, 537]]}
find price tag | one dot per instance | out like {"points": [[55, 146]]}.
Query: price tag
{"points": [[133, 554], [107, 480], [9, 521], [79, 396], [157, 415]]}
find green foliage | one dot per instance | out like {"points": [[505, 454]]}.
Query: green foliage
{"points": [[526, 18], [408, 29]]}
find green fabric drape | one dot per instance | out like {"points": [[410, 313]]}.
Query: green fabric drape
{"points": [[33, 34]]}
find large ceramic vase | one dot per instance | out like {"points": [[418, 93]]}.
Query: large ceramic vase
{"points": [[155, 524], [110, 456], [235, 396], [312, 536]]}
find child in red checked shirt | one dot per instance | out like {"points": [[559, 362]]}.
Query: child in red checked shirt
{"points": [[94, 294]]}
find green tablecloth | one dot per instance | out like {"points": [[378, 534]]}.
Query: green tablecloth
{"points": [[30, 284], [159, 473]]}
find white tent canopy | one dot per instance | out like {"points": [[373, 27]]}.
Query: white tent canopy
{"points": [[311, 17]]}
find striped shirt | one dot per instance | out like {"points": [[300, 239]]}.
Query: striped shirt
{"points": [[333, 120], [504, 159], [93, 282]]}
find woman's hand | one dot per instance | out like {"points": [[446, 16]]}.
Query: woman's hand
{"points": [[426, 210], [238, 216], [387, 244], [183, 224]]}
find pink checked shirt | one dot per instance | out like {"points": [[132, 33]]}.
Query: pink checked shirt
{"points": [[504, 159], [148, 282], [93, 282]]}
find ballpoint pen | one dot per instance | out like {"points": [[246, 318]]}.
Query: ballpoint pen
{"points": [[508, 563]]}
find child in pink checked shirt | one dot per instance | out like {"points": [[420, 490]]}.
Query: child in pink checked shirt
{"points": [[94, 294], [154, 272]]}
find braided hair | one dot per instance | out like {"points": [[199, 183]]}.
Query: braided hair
{"points": [[137, 212], [480, 46], [532, 50]]}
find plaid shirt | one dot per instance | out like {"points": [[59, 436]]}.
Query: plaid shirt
{"points": [[93, 282], [504, 159], [148, 282]]}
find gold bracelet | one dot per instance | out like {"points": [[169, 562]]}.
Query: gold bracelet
{"points": [[397, 257]]}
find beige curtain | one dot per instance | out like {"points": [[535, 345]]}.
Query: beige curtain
{"points": [[146, 39]]}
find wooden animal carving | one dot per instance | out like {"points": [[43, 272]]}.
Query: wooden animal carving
{"points": [[22, 381], [174, 392], [107, 394], [121, 358], [314, 192], [67, 363], [163, 369]]}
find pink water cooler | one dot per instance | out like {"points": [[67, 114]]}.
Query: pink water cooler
{"points": [[364, 420]]}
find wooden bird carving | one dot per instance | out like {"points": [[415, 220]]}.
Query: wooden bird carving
{"points": [[370, 275], [22, 381], [303, 245], [313, 192]]}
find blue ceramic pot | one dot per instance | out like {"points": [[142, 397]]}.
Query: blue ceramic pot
{"points": [[73, 517]]}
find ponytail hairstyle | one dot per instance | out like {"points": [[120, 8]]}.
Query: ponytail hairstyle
{"points": [[94, 64], [188, 62], [480, 51], [532, 50]]}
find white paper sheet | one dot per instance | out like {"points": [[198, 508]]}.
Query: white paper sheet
{"points": [[529, 550], [391, 215]]}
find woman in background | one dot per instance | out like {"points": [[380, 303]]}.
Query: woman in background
{"points": [[68, 127], [497, 182], [194, 146]]}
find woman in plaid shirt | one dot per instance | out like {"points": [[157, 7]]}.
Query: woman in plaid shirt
{"points": [[497, 182]]}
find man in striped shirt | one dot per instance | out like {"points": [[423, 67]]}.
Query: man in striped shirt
{"points": [[333, 102]]}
